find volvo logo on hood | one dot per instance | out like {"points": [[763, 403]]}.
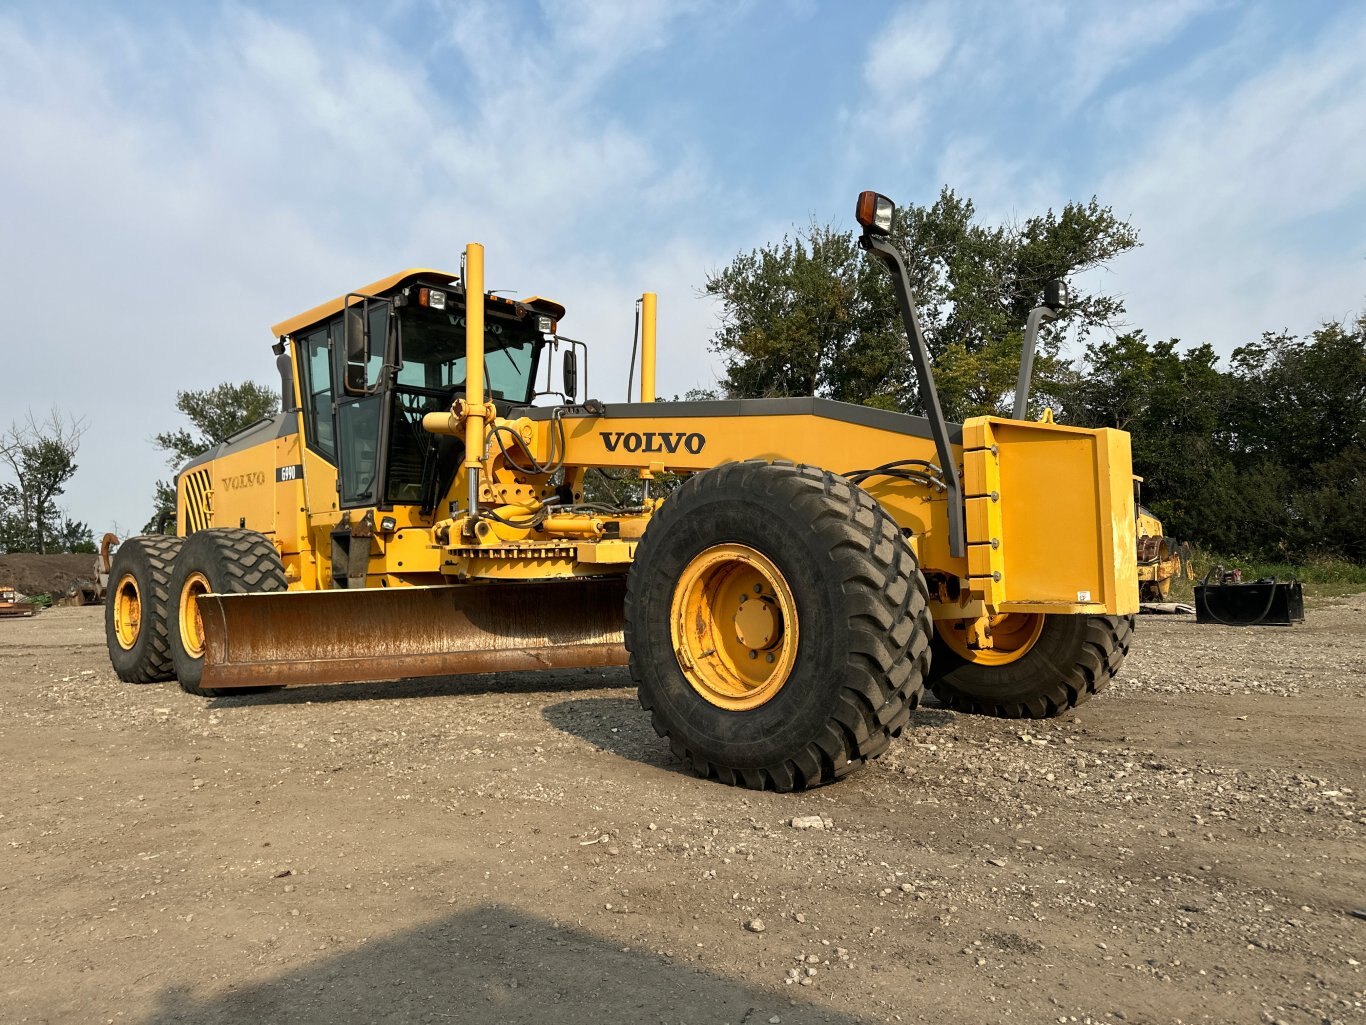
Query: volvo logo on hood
{"points": [[667, 442]]}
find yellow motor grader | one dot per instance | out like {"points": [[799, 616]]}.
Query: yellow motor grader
{"points": [[419, 509]]}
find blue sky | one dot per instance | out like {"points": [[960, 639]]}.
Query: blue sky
{"points": [[176, 178]]}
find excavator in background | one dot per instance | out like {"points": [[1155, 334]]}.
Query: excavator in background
{"points": [[92, 590], [418, 509]]}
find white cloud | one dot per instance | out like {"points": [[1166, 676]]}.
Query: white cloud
{"points": [[909, 50], [1225, 193], [168, 196], [1106, 39], [1239, 161], [973, 74]]}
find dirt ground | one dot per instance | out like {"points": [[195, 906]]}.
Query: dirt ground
{"points": [[1187, 848]]}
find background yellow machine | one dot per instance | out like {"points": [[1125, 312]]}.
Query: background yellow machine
{"points": [[1160, 560], [419, 508]]}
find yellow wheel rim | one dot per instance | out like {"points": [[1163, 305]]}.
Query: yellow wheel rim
{"points": [[733, 622], [191, 623], [127, 612], [1013, 634]]}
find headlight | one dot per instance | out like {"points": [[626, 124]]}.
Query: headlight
{"points": [[433, 298], [874, 212], [1055, 294]]}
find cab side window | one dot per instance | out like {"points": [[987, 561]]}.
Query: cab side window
{"points": [[319, 427]]}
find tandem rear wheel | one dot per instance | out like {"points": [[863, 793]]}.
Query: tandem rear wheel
{"points": [[221, 561], [1039, 667], [777, 624], [136, 610]]}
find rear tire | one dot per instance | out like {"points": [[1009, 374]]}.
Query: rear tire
{"points": [[136, 627], [859, 635], [223, 561], [1073, 659]]}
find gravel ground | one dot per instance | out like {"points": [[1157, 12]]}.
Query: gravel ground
{"points": [[1187, 848]]}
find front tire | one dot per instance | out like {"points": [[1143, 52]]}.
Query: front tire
{"points": [[778, 625], [222, 561], [136, 627], [1047, 665]]}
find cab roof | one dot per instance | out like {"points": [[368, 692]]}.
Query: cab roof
{"points": [[322, 311]]}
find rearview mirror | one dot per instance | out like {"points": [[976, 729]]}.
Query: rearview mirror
{"points": [[570, 375], [366, 330]]}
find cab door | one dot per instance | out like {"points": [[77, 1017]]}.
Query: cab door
{"points": [[362, 343]]}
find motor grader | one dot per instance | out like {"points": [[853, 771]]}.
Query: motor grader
{"points": [[419, 509]]}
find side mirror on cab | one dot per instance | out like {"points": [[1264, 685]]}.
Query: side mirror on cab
{"points": [[570, 376], [366, 336]]}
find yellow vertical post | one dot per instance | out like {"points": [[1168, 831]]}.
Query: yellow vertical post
{"points": [[648, 303], [474, 369]]}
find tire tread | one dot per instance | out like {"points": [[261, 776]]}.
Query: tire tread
{"points": [[889, 623], [1105, 644]]}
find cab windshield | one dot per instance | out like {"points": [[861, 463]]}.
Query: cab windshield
{"points": [[431, 375], [433, 353]]}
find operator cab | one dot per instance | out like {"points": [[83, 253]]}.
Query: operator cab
{"points": [[373, 363]]}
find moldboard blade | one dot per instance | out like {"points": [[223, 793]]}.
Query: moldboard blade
{"points": [[350, 636]]}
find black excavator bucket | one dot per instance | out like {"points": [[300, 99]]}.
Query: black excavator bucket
{"points": [[1255, 603]]}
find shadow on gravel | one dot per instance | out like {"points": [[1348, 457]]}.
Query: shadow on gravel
{"points": [[621, 727], [931, 714], [492, 964], [538, 682], [616, 725]]}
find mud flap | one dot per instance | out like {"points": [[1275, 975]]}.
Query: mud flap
{"points": [[349, 636]]}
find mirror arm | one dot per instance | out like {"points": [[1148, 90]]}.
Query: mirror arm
{"points": [[1036, 316], [920, 357]]}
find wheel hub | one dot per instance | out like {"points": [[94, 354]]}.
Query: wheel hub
{"points": [[733, 621], [127, 612], [191, 622], [757, 626]]}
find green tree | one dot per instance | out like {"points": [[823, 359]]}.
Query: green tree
{"points": [[1266, 458], [812, 315], [40, 457], [808, 316], [214, 415], [1174, 405], [1299, 433], [1304, 399]]}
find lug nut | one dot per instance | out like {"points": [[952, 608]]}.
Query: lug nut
{"points": [[770, 658], [753, 654]]}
